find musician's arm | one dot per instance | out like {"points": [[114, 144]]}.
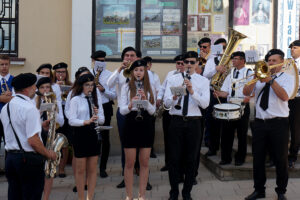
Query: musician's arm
{"points": [[124, 103], [283, 92], [248, 89], [202, 94]]}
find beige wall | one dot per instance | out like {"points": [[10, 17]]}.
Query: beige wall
{"points": [[44, 33]]}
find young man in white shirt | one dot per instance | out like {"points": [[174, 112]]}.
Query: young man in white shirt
{"points": [[271, 125]]}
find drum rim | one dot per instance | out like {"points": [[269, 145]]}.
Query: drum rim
{"points": [[230, 110]]}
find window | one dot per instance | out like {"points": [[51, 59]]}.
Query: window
{"points": [[9, 27]]}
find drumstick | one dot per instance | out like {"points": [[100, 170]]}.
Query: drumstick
{"points": [[217, 96]]}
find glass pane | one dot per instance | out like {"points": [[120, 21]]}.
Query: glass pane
{"points": [[115, 26], [161, 23]]}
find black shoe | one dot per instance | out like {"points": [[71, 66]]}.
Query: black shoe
{"points": [[291, 164], [62, 175], [2, 172], [223, 162], [187, 198], [195, 181], [85, 187], [153, 155], [74, 189], [164, 168], [121, 185], [149, 186], [173, 197], [210, 153], [281, 197], [238, 163], [256, 195], [103, 174]]}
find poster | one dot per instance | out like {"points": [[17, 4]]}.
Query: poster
{"points": [[126, 37], [170, 28], [241, 12], [151, 28], [193, 7], [171, 15], [219, 24], [150, 15], [170, 42], [106, 32], [193, 21], [218, 6], [262, 50], [116, 14], [109, 2], [205, 6], [127, 2], [260, 12], [204, 23], [150, 42], [151, 2]]}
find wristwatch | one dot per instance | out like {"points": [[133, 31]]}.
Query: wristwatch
{"points": [[271, 81]]}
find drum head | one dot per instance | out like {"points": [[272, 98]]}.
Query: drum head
{"points": [[227, 106], [291, 69]]}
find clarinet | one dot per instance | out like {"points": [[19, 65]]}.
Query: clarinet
{"points": [[93, 113], [139, 116]]}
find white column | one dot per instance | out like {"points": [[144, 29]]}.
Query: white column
{"points": [[81, 34]]}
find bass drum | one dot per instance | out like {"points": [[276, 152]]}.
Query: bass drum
{"points": [[227, 111]]}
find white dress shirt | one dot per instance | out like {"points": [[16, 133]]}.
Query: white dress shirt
{"points": [[125, 100], [25, 119], [210, 68], [79, 110], [118, 80], [156, 82], [56, 89], [297, 62], [228, 83], [110, 92], [163, 86], [276, 107], [201, 96]]}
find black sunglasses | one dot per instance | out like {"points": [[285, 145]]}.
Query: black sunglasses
{"points": [[204, 47], [189, 61], [179, 63]]}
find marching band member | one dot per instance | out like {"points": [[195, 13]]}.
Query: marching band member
{"points": [[231, 91], [271, 125], [204, 46], [156, 85], [83, 118], [44, 86], [23, 138], [137, 133], [107, 95], [184, 132], [166, 118], [294, 117], [61, 77], [6, 93]]}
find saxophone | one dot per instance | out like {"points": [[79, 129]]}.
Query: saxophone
{"points": [[55, 141]]}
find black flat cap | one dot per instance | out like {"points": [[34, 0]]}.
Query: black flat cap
{"points": [[46, 65], [80, 70], [60, 66], [190, 54], [98, 54], [126, 50], [147, 59], [238, 53], [85, 78], [274, 52], [23, 80], [42, 81], [204, 40], [179, 57], [295, 43]]}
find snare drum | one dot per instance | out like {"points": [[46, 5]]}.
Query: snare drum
{"points": [[227, 111]]}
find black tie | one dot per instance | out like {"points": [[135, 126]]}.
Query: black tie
{"points": [[233, 86], [90, 106], [264, 101], [186, 102]]}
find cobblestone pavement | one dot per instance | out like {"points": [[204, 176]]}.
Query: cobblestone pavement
{"points": [[208, 187]]}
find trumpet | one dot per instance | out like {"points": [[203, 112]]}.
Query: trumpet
{"points": [[93, 113], [4, 85], [139, 116], [186, 77], [160, 110], [126, 72]]}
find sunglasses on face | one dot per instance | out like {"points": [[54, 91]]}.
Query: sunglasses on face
{"points": [[179, 63], [189, 61], [204, 47]]}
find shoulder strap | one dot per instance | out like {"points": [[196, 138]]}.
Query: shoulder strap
{"points": [[17, 138], [216, 59]]}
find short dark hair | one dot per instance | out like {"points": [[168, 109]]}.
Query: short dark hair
{"points": [[126, 50], [219, 41], [4, 57], [204, 40]]}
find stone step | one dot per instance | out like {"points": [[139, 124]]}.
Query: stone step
{"points": [[244, 172]]}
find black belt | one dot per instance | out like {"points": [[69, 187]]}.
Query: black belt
{"points": [[270, 120], [18, 151], [186, 118]]}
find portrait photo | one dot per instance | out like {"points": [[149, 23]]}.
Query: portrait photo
{"points": [[260, 12], [241, 12], [205, 6], [218, 6]]}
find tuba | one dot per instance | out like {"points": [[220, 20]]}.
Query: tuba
{"points": [[55, 141], [235, 38]]}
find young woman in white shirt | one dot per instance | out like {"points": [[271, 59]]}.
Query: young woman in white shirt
{"points": [[85, 142], [137, 128]]}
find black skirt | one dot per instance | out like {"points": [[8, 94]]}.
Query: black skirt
{"points": [[138, 134], [85, 142]]}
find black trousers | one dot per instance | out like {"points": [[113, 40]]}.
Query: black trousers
{"points": [[294, 118], [184, 143], [227, 137], [21, 185], [213, 124], [105, 143], [276, 133], [166, 120], [202, 135], [1, 132]]}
